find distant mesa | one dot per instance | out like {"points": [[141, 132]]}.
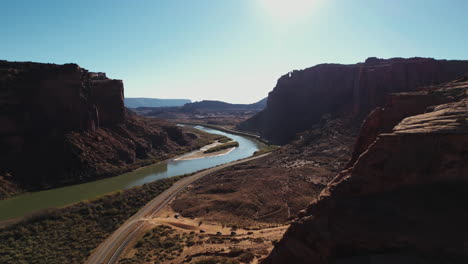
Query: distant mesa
{"points": [[207, 105], [154, 102], [206, 111]]}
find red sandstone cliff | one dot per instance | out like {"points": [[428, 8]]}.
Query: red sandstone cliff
{"points": [[301, 98], [403, 199], [60, 124]]}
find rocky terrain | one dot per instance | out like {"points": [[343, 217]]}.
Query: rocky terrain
{"points": [[275, 188], [207, 105], [206, 112], [301, 98], [402, 198], [60, 124]]}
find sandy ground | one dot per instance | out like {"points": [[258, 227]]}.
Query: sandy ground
{"points": [[260, 241], [199, 153]]}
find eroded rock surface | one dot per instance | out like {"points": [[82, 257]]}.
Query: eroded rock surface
{"points": [[61, 124], [403, 200], [301, 98]]}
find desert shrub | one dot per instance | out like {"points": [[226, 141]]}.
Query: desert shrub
{"points": [[161, 243], [235, 252], [210, 260], [258, 240], [246, 257], [224, 140], [216, 260], [69, 234], [222, 147], [268, 148]]}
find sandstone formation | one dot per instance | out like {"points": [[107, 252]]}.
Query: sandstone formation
{"points": [[301, 98], [211, 106], [404, 198], [61, 124], [272, 189], [205, 112]]}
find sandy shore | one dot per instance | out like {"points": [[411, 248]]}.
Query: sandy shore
{"points": [[198, 154]]}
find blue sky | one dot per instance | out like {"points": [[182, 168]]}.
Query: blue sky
{"points": [[231, 50]]}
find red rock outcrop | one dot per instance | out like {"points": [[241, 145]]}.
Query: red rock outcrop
{"points": [[403, 200], [301, 98], [60, 124]]}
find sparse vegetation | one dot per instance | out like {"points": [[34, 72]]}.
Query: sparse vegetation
{"points": [[268, 148], [203, 138], [246, 257], [222, 147], [224, 140], [68, 235], [216, 260], [161, 243]]}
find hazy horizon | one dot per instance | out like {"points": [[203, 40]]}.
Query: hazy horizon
{"points": [[233, 50]]}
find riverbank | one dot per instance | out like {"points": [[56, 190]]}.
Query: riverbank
{"points": [[200, 154], [29, 203], [62, 235], [116, 244], [237, 132], [201, 138]]}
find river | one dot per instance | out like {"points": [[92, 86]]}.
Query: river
{"points": [[29, 203]]}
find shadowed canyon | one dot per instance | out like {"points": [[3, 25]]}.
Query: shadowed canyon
{"points": [[370, 152]]}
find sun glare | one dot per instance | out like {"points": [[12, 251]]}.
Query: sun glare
{"points": [[288, 11]]}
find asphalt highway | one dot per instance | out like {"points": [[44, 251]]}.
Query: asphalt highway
{"points": [[112, 248]]}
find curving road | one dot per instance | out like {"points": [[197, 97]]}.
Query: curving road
{"points": [[111, 249]]}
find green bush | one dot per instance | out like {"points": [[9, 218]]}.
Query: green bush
{"points": [[246, 257], [222, 147], [216, 260], [269, 148], [224, 140]]}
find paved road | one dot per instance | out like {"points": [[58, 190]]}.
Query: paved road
{"points": [[110, 250]]}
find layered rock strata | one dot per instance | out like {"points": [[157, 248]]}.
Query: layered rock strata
{"points": [[61, 124], [302, 97], [403, 200]]}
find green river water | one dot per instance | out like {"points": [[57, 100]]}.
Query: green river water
{"points": [[29, 203]]}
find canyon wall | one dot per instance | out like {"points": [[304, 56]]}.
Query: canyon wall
{"points": [[403, 199], [60, 124], [301, 98]]}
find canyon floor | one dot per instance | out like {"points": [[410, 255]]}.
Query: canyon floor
{"points": [[197, 239], [256, 200]]}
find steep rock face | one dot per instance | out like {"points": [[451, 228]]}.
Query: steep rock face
{"points": [[301, 98], [59, 124], [402, 201], [107, 96]]}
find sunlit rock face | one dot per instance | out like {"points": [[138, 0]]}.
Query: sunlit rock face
{"points": [[403, 197], [301, 98]]}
